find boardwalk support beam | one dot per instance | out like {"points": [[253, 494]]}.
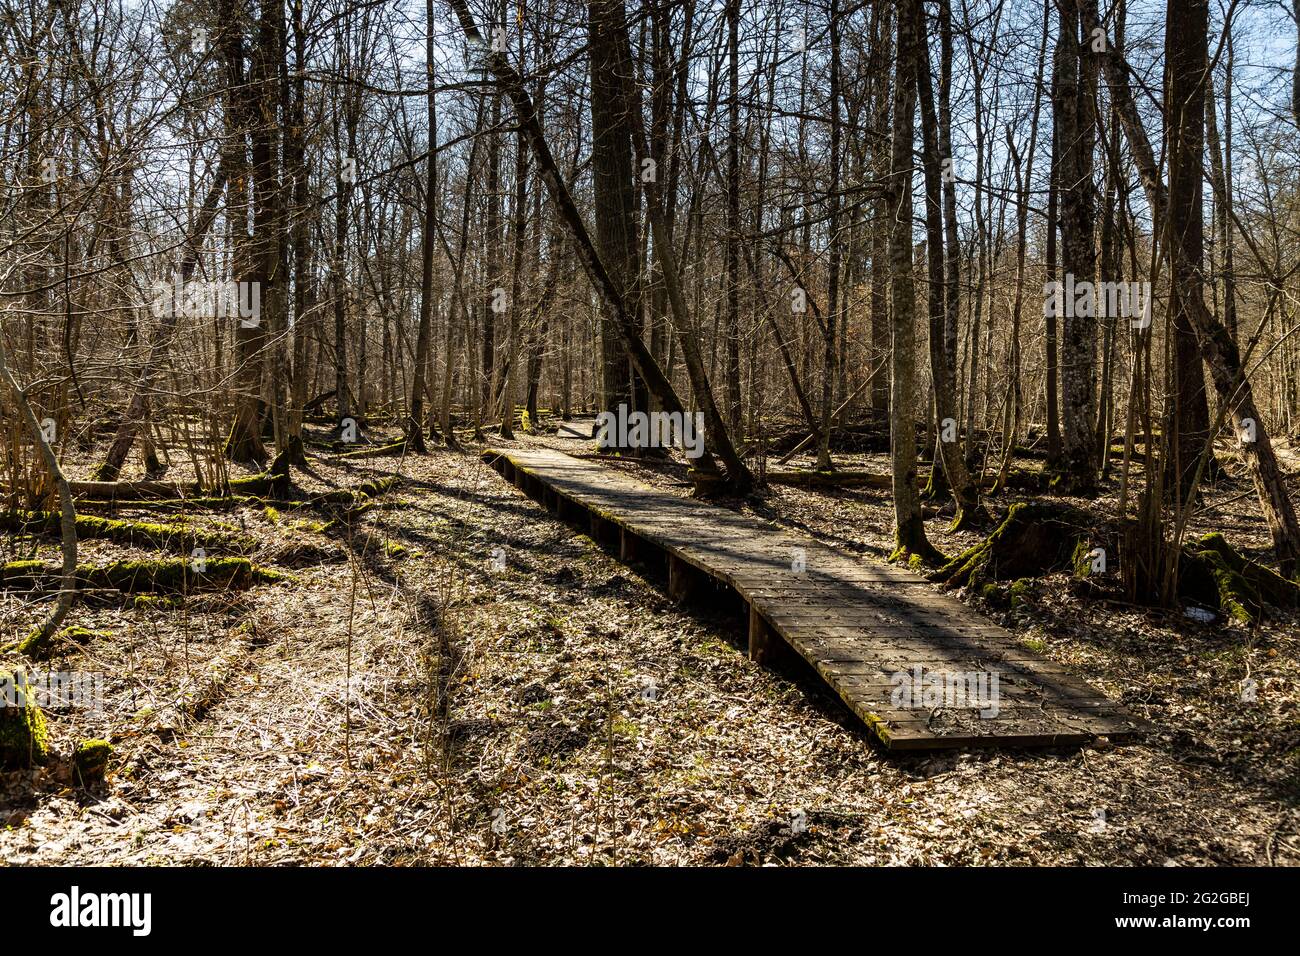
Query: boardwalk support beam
{"points": [[603, 532], [764, 643], [682, 579]]}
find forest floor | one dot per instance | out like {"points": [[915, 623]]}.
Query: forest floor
{"points": [[451, 676]]}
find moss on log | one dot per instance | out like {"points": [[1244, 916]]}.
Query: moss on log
{"points": [[174, 537], [1271, 586], [40, 648], [272, 482], [24, 738], [382, 451], [370, 489], [1214, 574], [177, 575], [131, 577], [199, 503], [351, 496]]}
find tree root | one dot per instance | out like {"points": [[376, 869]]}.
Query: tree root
{"points": [[1033, 539], [1216, 575]]}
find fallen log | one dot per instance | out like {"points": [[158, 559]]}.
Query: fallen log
{"points": [[173, 537], [1213, 574], [131, 577], [809, 478], [273, 481], [382, 451]]}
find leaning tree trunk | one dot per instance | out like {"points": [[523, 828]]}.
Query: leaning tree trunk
{"points": [[615, 307], [1220, 351], [739, 479], [950, 449]]}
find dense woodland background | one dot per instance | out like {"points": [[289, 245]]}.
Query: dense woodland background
{"points": [[766, 211], [828, 227]]}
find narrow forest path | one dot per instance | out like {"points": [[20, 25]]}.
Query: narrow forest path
{"points": [[922, 669]]}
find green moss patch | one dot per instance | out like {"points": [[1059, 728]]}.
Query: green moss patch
{"points": [[40, 648], [24, 737], [1216, 575], [91, 759], [171, 574], [172, 537], [157, 602]]}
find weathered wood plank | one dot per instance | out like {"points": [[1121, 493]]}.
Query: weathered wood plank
{"points": [[922, 669]]}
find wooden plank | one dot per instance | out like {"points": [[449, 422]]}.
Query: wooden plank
{"points": [[866, 629]]}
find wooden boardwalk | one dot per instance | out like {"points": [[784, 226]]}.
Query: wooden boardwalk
{"points": [[921, 668]]}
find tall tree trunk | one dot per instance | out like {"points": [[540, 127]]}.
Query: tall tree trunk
{"points": [[1221, 182], [1187, 423], [1052, 354], [424, 333], [1295, 74], [614, 187], [1075, 119], [494, 293], [945, 403], [952, 252], [246, 100], [880, 225], [732, 325], [304, 280], [1024, 180], [519, 231], [344, 184], [909, 528], [833, 241]]}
